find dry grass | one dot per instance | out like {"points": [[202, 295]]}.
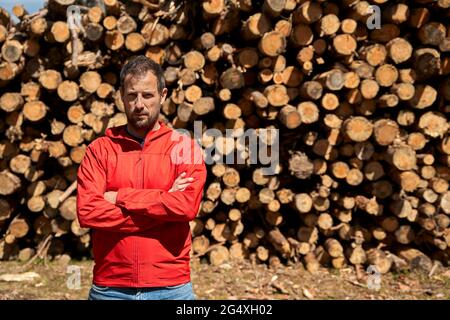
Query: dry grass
{"points": [[241, 280]]}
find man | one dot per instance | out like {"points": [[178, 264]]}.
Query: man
{"points": [[138, 198]]}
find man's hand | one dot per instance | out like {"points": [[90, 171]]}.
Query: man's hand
{"points": [[181, 183], [110, 196]]}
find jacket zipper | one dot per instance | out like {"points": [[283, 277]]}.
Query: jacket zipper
{"points": [[140, 186]]}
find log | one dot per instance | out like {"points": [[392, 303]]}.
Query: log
{"points": [[386, 75], [358, 128], [256, 26], [50, 79], [433, 124], [344, 44], [308, 13], [60, 31], [18, 228], [114, 40], [126, 24], [301, 35], [273, 7], [385, 131], [399, 50], [11, 101], [68, 91], [329, 24], [290, 117], [10, 183], [68, 208], [194, 60], [284, 26], [379, 163], [5, 210], [19, 11], [330, 101], [134, 42], [12, 50], [232, 79], [218, 255], [308, 111], [432, 33], [276, 95], [72, 135], [203, 105], [36, 203], [272, 44], [311, 263], [200, 245], [90, 81], [280, 243]]}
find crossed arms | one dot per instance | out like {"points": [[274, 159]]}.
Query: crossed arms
{"points": [[132, 210]]}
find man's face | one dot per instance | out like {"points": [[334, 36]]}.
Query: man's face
{"points": [[142, 100]]}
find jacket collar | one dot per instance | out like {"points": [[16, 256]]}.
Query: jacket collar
{"points": [[120, 132]]}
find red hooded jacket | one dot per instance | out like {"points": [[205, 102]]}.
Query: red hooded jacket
{"points": [[144, 239]]}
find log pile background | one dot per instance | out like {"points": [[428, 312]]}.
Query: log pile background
{"points": [[362, 113]]}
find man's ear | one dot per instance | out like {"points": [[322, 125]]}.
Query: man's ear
{"points": [[163, 95], [122, 92]]}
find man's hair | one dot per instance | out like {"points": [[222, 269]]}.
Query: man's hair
{"points": [[139, 66]]}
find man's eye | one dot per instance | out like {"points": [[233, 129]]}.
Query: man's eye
{"points": [[148, 96], [132, 96]]}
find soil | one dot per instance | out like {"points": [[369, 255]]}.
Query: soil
{"points": [[237, 281]]}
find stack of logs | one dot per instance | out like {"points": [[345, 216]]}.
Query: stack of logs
{"points": [[361, 110]]}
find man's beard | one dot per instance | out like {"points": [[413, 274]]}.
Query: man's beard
{"points": [[142, 123]]}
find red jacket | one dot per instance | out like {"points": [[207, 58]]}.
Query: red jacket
{"points": [[143, 240]]}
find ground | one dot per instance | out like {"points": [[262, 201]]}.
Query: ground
{"points": [[236, 280]]}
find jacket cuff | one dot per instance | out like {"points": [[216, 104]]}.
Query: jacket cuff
{"points": [[121, 195], [141, 202]]}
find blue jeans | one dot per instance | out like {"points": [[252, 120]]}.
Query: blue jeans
{"points": [[178, 292]]}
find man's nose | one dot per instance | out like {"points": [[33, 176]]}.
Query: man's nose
{"points": [[139, 102]]}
